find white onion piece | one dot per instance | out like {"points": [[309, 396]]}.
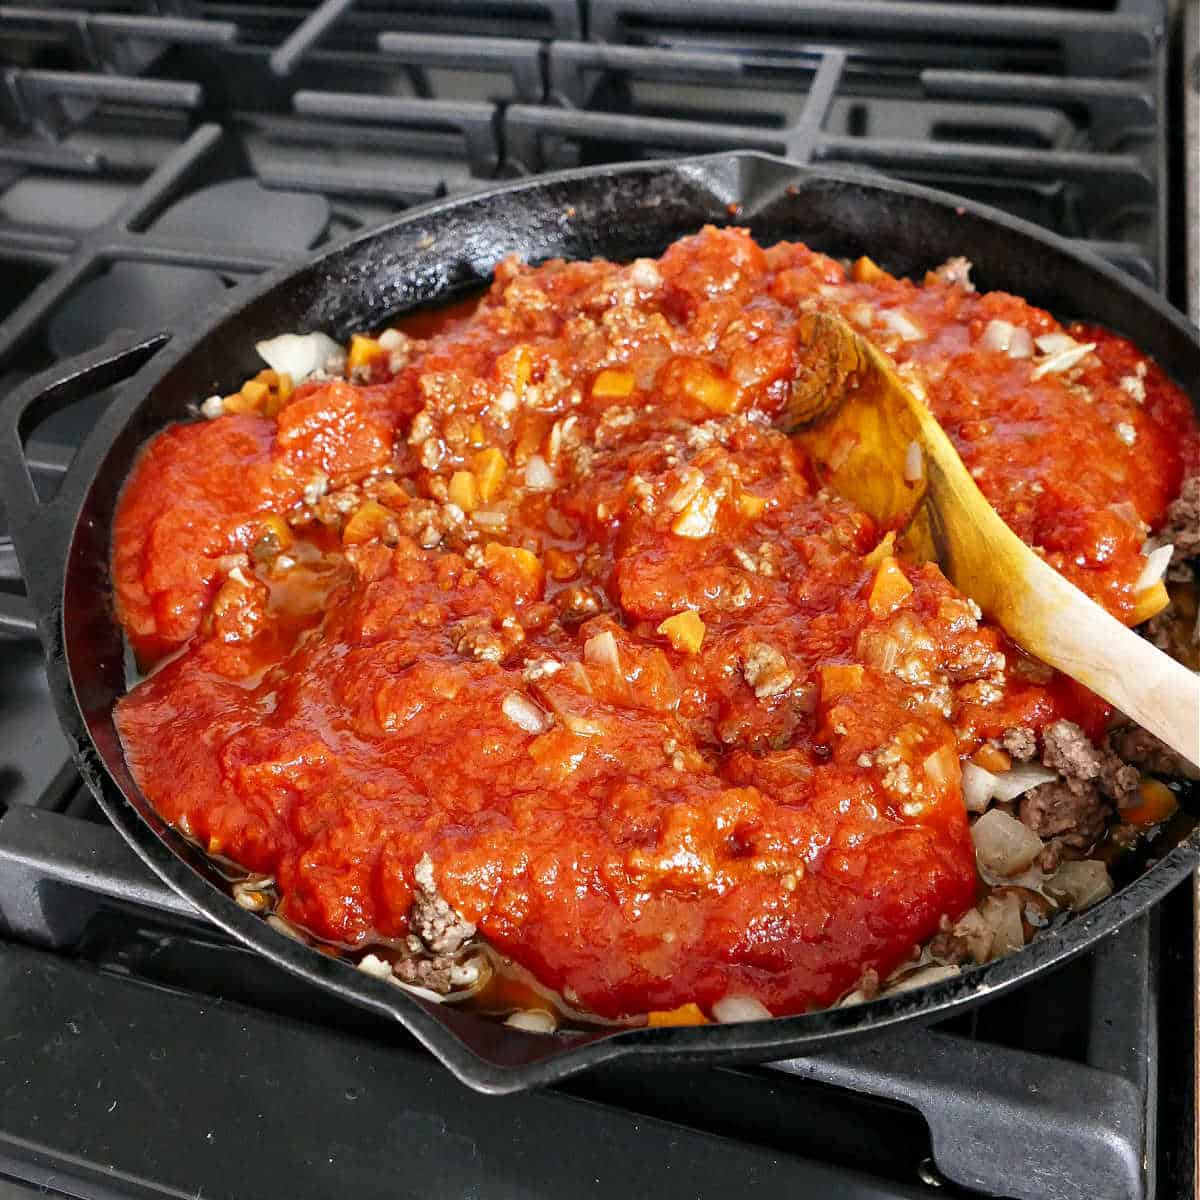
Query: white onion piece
{"points": [[601, 651], [997, 336], [1019, 779], [418, 990], [1021, 345], [921, 976], [899, 322], [914, 463], [298, 354], [392, 339], [490, 518], [1063, 360], [978, 787], [524, 714], [1079, 884], [533, 1020], [538, 475], [1003, 846], [371, 964], [1054, 343], [1157, 562], [731, 1009], [1002, 913]]}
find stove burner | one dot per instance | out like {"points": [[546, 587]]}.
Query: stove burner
{"points": [[244, 213], [128, 296]]}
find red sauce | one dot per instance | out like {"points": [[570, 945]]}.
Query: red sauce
{"points": [[641, 823]]}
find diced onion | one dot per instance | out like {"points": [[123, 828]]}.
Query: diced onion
{"points": [[490, 518], [392, 339], [417, 990], [978, 787], [997, 336], [523, 713], [1157, 562], [1063, 360], [298, 354], [1019, 779], [533, 1020], [1002, 913], [601, 651], [538, 475], [371, 964], [1079, 885], [914, 463], [922, 976], [900, 323], [1021, 345], [1003, 846], [731, 1009], [1055, 343]]}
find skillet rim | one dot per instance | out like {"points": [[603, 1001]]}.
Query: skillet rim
{"points": [[442, 1029]]}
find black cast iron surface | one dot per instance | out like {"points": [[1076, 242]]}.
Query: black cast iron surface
{"points": [[430, 253]]}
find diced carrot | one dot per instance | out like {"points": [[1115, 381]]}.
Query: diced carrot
{"points": [[890, 589], [885, 549], [239, 402], [515, 368], [702, 383], [837, 679], [476, 436], [1149, 603], [389, 492], [369, 521], [515, 562], [867, 270], [685, 631], [561, 565], [464, 491], [254, 391], [363, 351], [286, 386], [992, 758], [751, 506], [613, 385], [490, 468], [1158, 803], [275, 530], [685, 1014]]}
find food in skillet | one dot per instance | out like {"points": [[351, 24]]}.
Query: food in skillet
{"points": [[521, 637]]}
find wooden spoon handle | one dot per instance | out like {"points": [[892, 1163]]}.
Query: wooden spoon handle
{"points": [[1082, 640]]}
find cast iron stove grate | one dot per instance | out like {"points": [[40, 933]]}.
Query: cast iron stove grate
{"points": [[133, 145]]}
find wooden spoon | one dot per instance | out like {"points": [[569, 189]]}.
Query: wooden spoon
{"points": [[876, 443]]}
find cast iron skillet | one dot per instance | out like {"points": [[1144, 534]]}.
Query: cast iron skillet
{"points": [[617, 212]]}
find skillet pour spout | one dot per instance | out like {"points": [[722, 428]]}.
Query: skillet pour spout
{"points": [[431, 254]]}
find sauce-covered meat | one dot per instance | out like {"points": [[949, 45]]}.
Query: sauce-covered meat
{"points": [[543, 595]]}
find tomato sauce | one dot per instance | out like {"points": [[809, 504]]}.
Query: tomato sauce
{"points": [[542, 593]]}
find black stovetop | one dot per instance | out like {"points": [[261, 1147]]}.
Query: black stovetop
{"points": [[153, 155]]}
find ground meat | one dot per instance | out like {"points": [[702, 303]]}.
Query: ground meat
{"points": [[1076, 815], [956, 271], [1068, 750], [1134, 745], [432, 973], [1020, 742], [1182, 526], [766, 670], [432, 919]]}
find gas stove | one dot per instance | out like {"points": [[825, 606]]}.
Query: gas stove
{"points": [[155, 155]]}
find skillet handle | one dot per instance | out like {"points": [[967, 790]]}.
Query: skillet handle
{"points": [[41, 530]]}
